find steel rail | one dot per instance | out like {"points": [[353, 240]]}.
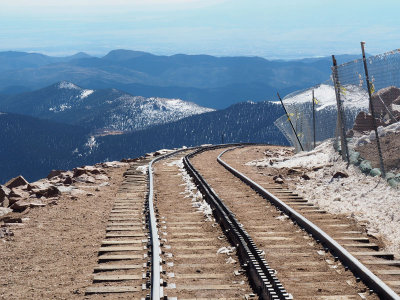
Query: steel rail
{"points": [[361, 271], [156, 290], [261, 276]]}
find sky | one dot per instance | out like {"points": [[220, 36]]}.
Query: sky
{"points": [[274, 29]]}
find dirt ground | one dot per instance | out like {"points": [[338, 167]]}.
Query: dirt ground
{"points": [[52, 255], [390, 146]]}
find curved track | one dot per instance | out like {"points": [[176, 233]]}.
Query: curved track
{"points": [[168, 245], [319, 280]]}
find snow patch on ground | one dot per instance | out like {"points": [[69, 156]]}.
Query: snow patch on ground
{"points": [[311, 159], [68, 85], [86, 93], [352, 96], [192, 192], [142, 169], [369, 200]]}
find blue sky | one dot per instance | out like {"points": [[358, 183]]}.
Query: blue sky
{"points": [[267, 28]]}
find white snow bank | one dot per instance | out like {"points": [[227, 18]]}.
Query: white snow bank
{"points": [[86, 93], [368, 199], [352, 96], [142, 169], [68, 85], [314, 158], [191, 191]]}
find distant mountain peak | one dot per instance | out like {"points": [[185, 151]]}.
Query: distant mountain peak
{"points": [[68, 85], [121, 54]]}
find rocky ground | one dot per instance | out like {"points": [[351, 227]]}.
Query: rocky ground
{"points": [[51, 231], [390, 145]]}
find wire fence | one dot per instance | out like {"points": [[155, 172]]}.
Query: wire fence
{"points": [[359, 107], [313, 114], [373, 85]]}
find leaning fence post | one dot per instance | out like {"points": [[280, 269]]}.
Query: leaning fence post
{"points": [[371, 107], [291, 124], [342, 127], [313, 113]]}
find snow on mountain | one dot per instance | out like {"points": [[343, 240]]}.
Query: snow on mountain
{"points": [[68, 85], [352, 96], [70, 94], [100, 111], [136, 112]]}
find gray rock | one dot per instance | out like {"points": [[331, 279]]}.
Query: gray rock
{"points": [[47, 192], [397, 178], [4, 211], [392, 182], [65, 189], [20, 205], [365, 166], [4, 191], [354, 158], [16, 182], [390, 176], [36, 203], [5, 202], [85, 178], [54, 173], [375, 172], [18, 193], [67, 181], [101, 177]]}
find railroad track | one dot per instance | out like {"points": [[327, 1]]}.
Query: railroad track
{"points": [[170, 238], [302, 258]]}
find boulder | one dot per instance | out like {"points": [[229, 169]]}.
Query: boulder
{"points": [[78, 172], [18, 193], [40, 184], [305, 177], [4, 211], [364, 122], [47, 192], [383, 99], [390, 175], [4, 192], [375, 172], [16, 182], [393, 182], [36, 203], [65, 189], [67, 181], [129, 160], [85, 178], [87, 170], [5, 202], [54, 173], [101, 177], [20, 205], [114, 164], [365, 167], [355, 158], [93, 170]]}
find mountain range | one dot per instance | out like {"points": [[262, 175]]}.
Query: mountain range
{"points": [[32, 146], [100, 111], [215, 82], [128, 103]]}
